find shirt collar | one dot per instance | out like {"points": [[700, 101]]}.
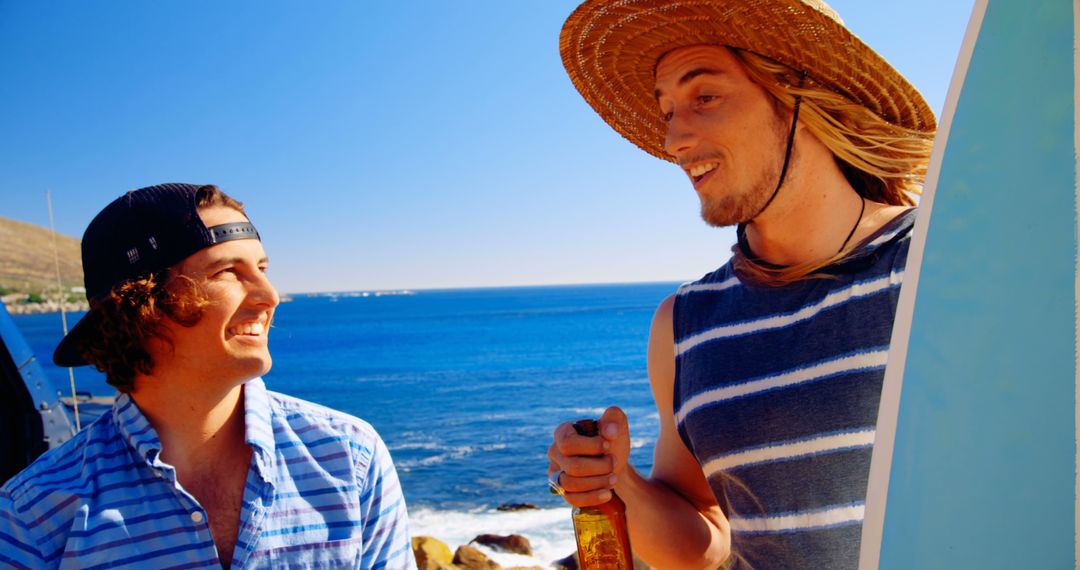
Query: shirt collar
{"points": [[258, 430], [136, 429]]}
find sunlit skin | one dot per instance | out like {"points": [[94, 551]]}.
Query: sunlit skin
{"points": [[729, 136], [193, 397], [717, 116]]}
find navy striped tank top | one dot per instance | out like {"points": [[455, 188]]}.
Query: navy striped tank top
{"points": [[776, 395]]}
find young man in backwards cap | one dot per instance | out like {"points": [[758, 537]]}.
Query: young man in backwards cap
{"points": [[766, 372], [197, 464]]}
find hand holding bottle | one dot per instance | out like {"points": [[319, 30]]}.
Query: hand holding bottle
{"points": [[600, 530], [589, 467]]}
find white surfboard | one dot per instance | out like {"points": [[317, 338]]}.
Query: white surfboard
{"points": [[975, 461]]}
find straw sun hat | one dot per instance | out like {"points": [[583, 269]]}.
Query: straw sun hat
{"points": [[610, 49]]}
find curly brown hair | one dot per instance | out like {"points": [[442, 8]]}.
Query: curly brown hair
{"points": [[123, 321]]}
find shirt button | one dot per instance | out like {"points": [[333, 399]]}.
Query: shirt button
{"points": [[196, 517]]}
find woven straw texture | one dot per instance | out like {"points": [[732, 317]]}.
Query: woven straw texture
{"points": [[610, 49]]}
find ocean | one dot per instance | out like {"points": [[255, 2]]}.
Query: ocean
{"points": [[465, 386]]}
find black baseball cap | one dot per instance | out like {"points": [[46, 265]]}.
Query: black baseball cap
{"points": [[143, 231]]}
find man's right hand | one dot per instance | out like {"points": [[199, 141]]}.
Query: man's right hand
{"points": [[591, 466]]}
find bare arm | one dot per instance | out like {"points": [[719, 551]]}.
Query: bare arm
{"points": [[673, 518]]}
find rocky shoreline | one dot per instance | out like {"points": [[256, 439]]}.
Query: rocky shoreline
{"points": [[433, 554], [45, 307], [486, 551]]}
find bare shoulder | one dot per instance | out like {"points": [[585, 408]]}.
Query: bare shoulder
{"points": [[877, 215], [673, 463], [661, 357], [882, 215]]}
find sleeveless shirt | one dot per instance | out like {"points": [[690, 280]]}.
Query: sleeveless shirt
{"points": [[776, 395]]}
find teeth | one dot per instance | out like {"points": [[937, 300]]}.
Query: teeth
{"points": [[249, 329], [702, 169]]}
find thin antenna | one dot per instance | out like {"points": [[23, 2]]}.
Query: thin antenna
{"points": [[63, 313]]}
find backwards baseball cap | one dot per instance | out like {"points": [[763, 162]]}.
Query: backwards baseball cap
{"points": [[142, 232]]}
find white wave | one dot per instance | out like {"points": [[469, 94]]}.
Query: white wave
{"points": [[550, 531], [503, 416], [637, 442], [588, 412], [448, 455], [416, 445]]}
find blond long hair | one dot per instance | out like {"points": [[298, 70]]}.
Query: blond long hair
{"points": [[884, 163]]}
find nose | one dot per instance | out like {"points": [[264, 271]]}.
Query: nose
{"points": [[680, 137], [262, 292]]}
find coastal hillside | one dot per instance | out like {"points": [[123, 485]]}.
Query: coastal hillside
{"points": [[27, 261]]}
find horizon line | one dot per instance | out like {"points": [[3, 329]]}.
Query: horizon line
{"points": [[479, 287]]}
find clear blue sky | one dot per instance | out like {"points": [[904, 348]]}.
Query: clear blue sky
{"points": [[378, 145]]}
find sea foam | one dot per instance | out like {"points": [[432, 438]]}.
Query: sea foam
{"points": [[550, 531]]}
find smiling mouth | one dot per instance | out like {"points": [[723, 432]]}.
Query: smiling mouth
{"points": [[697, 173], [251, 328]]}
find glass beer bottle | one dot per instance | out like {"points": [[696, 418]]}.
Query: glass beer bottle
{"points": [[603, 542]]}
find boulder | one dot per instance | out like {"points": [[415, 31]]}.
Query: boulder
{"points": [[568, 563], [430, 549], [514, 543], [571, 563], [472, 559], [515, 507], [435, 565]]}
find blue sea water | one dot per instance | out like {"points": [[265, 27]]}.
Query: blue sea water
{"points": [[465, 386]]}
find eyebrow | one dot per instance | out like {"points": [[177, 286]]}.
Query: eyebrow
{"points": [[233, 261], [690, 75]]}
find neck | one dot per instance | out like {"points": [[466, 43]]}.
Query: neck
{"points": [[814, 211], [194, 425]]}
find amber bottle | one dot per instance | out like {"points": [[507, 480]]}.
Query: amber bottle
{"points": [[603, 542]]}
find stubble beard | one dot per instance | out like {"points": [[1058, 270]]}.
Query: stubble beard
{"points": [[728, 210], [739, 207]]}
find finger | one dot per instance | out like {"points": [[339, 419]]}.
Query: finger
{"points": [[614, 424], [586, 466], [568, 442], [588, 499], [553, 455], [586, 484], [615, 430], [562, 430]]}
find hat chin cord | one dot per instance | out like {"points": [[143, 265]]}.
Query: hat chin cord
{"points": [[741, 229], [787, 159]]}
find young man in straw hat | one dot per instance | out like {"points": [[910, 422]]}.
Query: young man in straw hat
{"points": [[767, 372], [197, 464]]}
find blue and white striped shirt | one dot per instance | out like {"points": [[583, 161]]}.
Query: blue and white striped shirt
{"points": [[776, 395], [321, 492]]}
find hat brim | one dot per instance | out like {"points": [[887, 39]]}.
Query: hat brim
{"points": [[610, 49], [67, 353]]}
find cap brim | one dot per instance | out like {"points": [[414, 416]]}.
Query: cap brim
{"points": [[67, 353]]}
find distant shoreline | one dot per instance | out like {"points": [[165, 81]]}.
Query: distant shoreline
{"points": [[462, 288], [22, 308], [47, 307]]}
